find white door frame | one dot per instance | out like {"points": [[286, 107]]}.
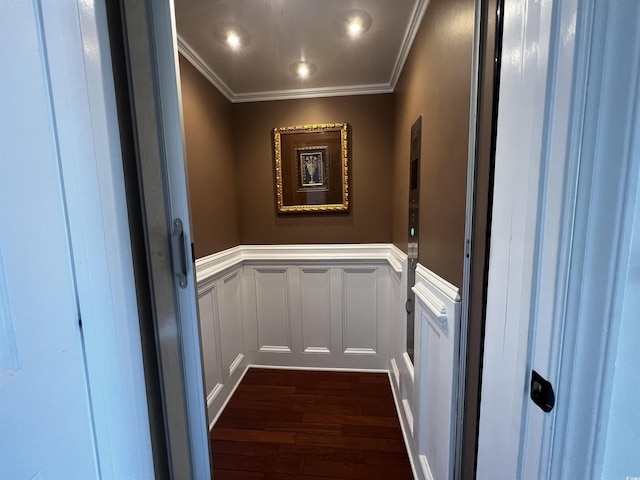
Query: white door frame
{"points": [[562, 89], [149, 30], [75, 52]]}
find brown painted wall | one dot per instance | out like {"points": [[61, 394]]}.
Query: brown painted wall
{"points": [[369, 221], [436, 83], [213, 194]]}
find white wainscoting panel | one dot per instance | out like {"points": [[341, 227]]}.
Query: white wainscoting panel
{"points": [[221, 331], [360, 319], [302, 306], [210, 341], [229, 303], [273, 314], [315, 310], [436, 368]]}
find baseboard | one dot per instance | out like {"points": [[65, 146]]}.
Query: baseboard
{"points": [[405, 437], [322, 369], [225, 393]]}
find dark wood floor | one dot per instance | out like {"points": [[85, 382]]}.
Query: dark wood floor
{"points": [[309, 425]]}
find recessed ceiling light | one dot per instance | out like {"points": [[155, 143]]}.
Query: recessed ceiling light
{"points": [[302, 69], [355, 27], [352, 23], [233, 40], [232, 36]]}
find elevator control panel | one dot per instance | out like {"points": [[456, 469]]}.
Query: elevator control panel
{"points": [[413, 228]]}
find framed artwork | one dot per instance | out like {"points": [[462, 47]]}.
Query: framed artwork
{"points": [[312, 168]]}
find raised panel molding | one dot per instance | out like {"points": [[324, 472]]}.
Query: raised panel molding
{"points": [[315, 310], [230, 315], [273, 314], [360, 319]]}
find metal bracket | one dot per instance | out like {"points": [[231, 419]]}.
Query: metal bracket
{"points": [[178, 253]]}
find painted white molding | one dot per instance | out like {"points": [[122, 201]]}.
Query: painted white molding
{"points": [[213, 394], [436, 310], [395, 372], [235, 363], [369, 277], [345, 90], [409, 36], [426, 470], [409, 366], [408, 441], [252, 309], [199, 64], [406, 406], [213, 266], [427, 387], [448, 289]]}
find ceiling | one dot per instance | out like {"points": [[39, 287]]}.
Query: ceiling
{"points": [[275, 34]]}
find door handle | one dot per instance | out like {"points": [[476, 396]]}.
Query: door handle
{"points": [[542, 392], [178, 253]]}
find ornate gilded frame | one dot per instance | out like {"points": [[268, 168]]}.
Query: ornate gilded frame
{"points": [[326, 146]]}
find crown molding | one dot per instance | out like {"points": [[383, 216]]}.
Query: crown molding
{"points": [[299, 93], [409, 36], [199, 64], [347, 90]]}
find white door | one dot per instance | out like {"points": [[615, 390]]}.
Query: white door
{"points": [[46, 429], [567, 167]]}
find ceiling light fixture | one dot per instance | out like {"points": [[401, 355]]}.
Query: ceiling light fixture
{"points": [[355, 27], [232, 36], [302, 69], [233, 40], [352, 23]]}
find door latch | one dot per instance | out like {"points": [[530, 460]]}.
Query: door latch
{"points": [[178, 253], [542, 392]]}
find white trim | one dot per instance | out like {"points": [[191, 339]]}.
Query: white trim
{"points": [[409, 366], [396, 372], [426, 470], [436, 310], [406, 406], [274, 349], [214, 266], [450, 290], [226, 400], [360, 351], [235, 363], [205, 69], [213, 394], [320, 350], [405, 437], [409, 36], [321, 369], [295, 94]]}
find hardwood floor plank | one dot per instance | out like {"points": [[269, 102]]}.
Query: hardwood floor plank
{"points": [[383, 444], [371, 431], [245, 448], [258, 436], [299, 427], [326, 408], [285, 476], [350, 419], [258, 464], [259, 389], [376, 457], [309, 425], [350, 455], [241, 423], [266, 414], [221, 474], [357, 470]]}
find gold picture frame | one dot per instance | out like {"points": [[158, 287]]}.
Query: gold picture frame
{"points": [[312, 168]]}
